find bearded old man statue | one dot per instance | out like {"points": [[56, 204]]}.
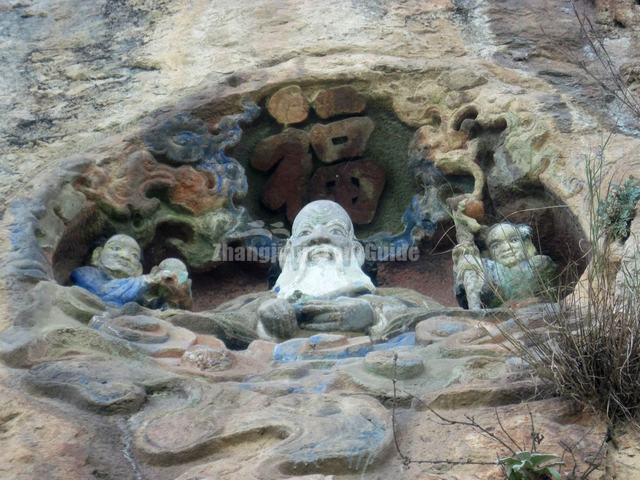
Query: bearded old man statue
{"points": [[321, 275], [321, 288], [322, 259]]}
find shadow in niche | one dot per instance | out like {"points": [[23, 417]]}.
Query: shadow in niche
{"points": [[226, 282], [88, 230], [223, 282], [467, 114], [431, 275], [556, 231], [159, 248]]}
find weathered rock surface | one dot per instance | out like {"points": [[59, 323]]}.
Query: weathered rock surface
{"points": [[623, 460], [437, 328], [275, 148], [398, 365], [475, 446], [461, 79], [101, 385], [300, 431], [288, 105], [356, 185], [207, 358], [210, 358], [487, 91], [338, 101], [623, 13], [342, 139], [42, 441], [147, 334], [287, 186]]}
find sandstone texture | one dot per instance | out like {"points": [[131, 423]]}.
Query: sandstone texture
{"points": [[357, 185], [342, 139], [338, 101], [289, 182], [273, 149], [163, 120], [288, 105]]}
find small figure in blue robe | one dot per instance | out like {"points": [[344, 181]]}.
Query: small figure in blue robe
{"points": [[116, 276]]}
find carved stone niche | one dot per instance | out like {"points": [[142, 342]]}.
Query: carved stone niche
{"points": [[175, 191], [493, 163]]}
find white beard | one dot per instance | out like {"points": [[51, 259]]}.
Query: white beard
{"points": [[321, 278]]}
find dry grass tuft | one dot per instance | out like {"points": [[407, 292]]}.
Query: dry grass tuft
{"points": [[591, 349]]}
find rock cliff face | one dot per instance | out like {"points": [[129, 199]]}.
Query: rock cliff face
{"points": [[501, 97]]}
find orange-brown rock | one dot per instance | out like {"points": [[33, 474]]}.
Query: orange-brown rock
{"points": [[287, 186], [124, 189], [273, 149], [427, 437], [338, 101], [342, 139], [288, 105], [41, 440], [356, 185], [474, 209], [623, 13], [194, 191]]}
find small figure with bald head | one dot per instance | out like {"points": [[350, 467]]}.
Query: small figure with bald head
{"points": [[511, 270], [115, 275]]}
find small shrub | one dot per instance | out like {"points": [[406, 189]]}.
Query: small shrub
{"points": [[590, 350], [531, 466], [618, 209]]}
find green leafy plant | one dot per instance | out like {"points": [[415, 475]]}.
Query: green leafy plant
{"points": [[618, 209], [531, 466]]}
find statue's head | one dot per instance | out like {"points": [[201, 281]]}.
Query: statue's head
{"points": [[322, 255], [175, 266], [510, 244], [119, 257]]}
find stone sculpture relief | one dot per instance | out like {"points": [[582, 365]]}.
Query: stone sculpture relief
{"points": [[510, 270], [323, 258], [357, 184], [321, 288], [184, 139], [322, 283], [348, 179], [174, 288], [315, 403], [184, 188], [288, 152], [115, 276]]}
